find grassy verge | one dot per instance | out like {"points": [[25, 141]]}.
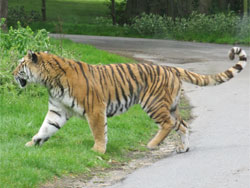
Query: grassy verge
{"points": [[69, 151]]}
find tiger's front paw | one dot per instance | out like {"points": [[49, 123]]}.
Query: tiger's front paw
{"points": [[99, 149], [36, 141], [30, 143]]}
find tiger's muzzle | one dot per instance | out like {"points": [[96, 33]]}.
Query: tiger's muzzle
{"points": [[22, 82]]}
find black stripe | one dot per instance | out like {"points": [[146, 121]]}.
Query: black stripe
{"points": [[132, 74], [229, 74], [156, 108], [100, 78], [178, 127], [118, 69], [148, 71], [107, 74], [73, 103], [59, 65], [117, 95], [57, 113], [190, 78], [71, 66], [243, 58], [56, 125], [140, 70], [43, 64], [76, 70], [155, 100], [87, 82], [162, 114], [238, 51], [238, 67]]}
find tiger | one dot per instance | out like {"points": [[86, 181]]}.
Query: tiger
{"points": [[97, 92]]}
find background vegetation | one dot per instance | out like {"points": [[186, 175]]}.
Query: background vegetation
{"points": [[193, 20]]}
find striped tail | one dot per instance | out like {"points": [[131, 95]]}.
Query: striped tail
{"points": [[215, 79]]}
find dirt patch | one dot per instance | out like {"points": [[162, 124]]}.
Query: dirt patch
{"points": [[98, 178]]}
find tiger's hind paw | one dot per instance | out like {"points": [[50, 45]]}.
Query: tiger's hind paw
{"points": [[182, 149]]}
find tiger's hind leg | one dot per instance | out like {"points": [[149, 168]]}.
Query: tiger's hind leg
{"points": [[184, 134], [161, 115], [181, 128]]}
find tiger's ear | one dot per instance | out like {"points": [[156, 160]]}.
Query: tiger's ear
{"points": [[32, 56]]}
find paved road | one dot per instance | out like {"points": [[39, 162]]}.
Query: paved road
{"points": [[219, 153]]}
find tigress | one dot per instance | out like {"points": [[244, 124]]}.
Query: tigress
{"points": [[101, 91]]}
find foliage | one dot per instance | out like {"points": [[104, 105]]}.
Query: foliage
{"points": [[22, 39], [18, 13], [149, 24], [197, 27], [200, 24], [15, 45], [120, 11], [243, 28], [103, 21], [90, 18]]}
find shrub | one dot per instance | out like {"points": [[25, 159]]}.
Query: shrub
{"points": [[150, 24], [217, 25], [243, 28], [14, 45], [22, 39], [16, 14], [103, 21]]}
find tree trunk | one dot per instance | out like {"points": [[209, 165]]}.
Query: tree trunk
{"points": [[204, 6], [222, 5], [4, 12], [245, 7], [113, 14], [44, 10]]}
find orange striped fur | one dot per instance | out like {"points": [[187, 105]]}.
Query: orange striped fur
{"points": [[101, 91]]}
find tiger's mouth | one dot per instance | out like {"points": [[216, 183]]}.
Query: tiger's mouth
{"points": [[22, 82]]}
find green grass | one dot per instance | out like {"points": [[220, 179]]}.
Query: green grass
{"points": [[86, 53], [68, 152]]}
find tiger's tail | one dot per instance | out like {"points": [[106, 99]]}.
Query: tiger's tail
{"points": [[215, 79]]}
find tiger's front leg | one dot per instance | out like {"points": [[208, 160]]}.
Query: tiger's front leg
{"points": [[53, 121], [98, 123]]}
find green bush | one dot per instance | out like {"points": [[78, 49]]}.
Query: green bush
{"points": [[22, 39], [150, 24], [198, 25], [14, 45], [18, 13], [103, 21], [243, 28], [220, 28]]}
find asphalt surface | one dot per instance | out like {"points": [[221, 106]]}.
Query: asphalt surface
{"points": [[219, 153]]}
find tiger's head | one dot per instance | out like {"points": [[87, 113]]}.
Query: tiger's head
{"points": [[28, 69]]}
